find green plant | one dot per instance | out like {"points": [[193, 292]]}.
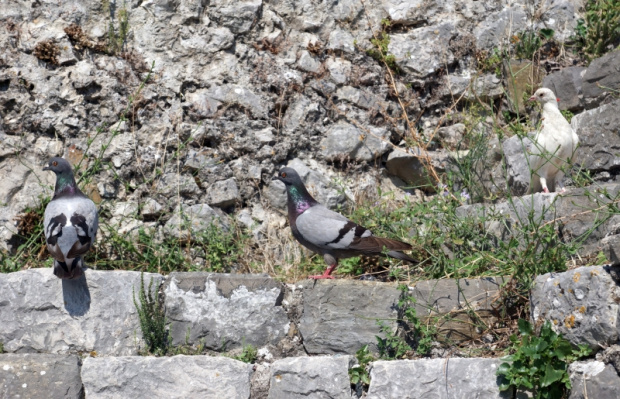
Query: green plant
{"points": [[152, 319], [423, 333], [600, 29], [380, 50], [359, 373], [539, 363], [1, 347], [529, 41], [117, 37], [248, 354], [567, 114], [392, 346]]}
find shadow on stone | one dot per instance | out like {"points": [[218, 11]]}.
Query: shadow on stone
{"points": [[76, 296]]}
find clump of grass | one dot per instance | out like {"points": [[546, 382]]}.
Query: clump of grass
{"points": [[152, 319], [248, 354], [358, 374], [380, 50]]}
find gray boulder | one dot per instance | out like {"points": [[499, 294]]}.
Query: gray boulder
{"points": [[581, 304], [345, 141], [566, 84], [602, 75], [423, 51], [340, 315], [310, 377], [593, 379], [224, 311], [410, 165], [599, 143], [192, 220], [436, 378], [34, 375], [223, 193], [93, 313], [516, 152], [166, 377]]}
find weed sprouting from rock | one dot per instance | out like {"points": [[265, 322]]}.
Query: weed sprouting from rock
{"points": [[152, 318]]}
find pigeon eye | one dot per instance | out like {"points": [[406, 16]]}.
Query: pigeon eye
{"points": [[540, 95], [54, 163], [283, 174]]}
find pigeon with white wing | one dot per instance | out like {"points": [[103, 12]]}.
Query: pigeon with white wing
{"points": [[554, 146]]}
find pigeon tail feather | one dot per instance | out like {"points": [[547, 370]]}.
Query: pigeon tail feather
{"points": [[401, 256]]}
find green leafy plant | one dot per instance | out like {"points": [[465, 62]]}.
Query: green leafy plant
{"points": [[600, 30], [422, 333], [380, 50], [529, 41], [539, 363], [152, 319], [117, 36], [248, 354], [392, 346], [359, 373]]}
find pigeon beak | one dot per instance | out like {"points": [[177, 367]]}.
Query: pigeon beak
{"points": [[275, 178], [533, 98], [46, 168]]}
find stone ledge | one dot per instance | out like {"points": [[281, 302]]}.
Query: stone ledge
{"points": [[40, 313], [34, 375], [166, 377]]}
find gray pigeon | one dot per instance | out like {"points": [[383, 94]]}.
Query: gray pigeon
{"points": [[329, 233], [554, 145], [70, 222]]}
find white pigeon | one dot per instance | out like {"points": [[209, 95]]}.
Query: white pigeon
{"points": [[70, 222], [553, 146]]}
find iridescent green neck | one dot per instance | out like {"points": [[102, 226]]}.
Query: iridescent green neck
{"points": [[65, 185], [299, 199]]}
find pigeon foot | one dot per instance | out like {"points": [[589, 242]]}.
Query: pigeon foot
{"points": [[546, 190]]}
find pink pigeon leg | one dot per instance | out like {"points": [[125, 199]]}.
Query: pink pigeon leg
{"points": [[332, 265]]}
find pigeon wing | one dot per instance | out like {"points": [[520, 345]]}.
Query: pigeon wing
{"points": [[328, 229]]}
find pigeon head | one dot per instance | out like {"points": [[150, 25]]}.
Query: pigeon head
{"points": [[299, 199], [59, 166], [544, 96], [289, 177], [65, 182]]}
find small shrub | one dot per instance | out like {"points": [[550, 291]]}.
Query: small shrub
{"points": [[359, 373], [600, 30], [248, 354], [152, 319], [392, 346], [539, 363]]}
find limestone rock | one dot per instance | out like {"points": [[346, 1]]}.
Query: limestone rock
{"points": [[421, 52], [223, 193], [581, 304], [95, 313], [602, 73], [411, 165], [436, 378], [193, 220], [310, 377], [166, 377], [225, 310], [516, 150], [566, 84], [599, 143], [497, 26], [34, 375], [345, 305], [601, 380], [344, 140]]}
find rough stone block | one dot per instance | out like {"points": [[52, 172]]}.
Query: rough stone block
{"points": [[456, 298], [39, 312], [34, 375], [581, 304], [411, 165], [344, 140], [593, 379], [166, 377], [340, 315], [435, 378], [599, 143], [603, 73], [566, 84], [225, 310], [324, 377]]}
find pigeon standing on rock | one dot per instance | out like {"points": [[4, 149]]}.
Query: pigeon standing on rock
{"points": [[329, 233], [554, 145], [70, 222]]}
